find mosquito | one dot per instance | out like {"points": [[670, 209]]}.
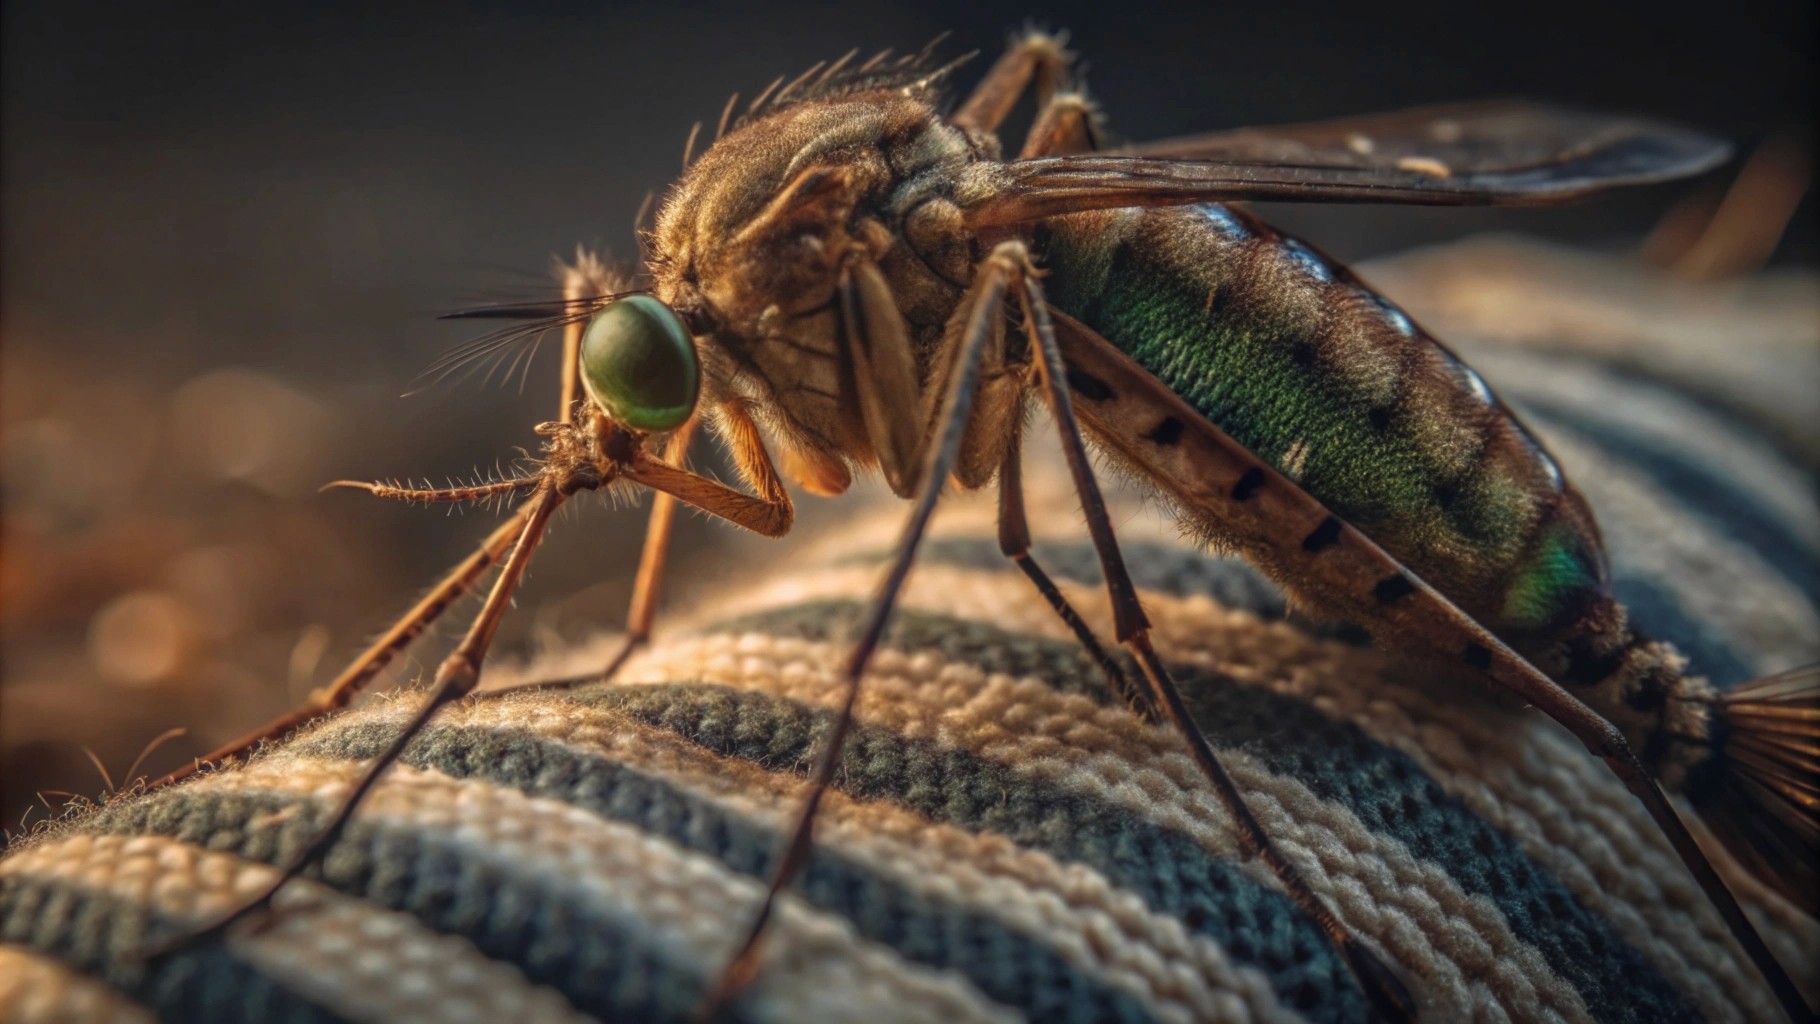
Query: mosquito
{"points": [[853, 278]]}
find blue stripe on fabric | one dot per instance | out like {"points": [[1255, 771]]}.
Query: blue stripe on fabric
{"points": [[602, 963], [1658, 610]]}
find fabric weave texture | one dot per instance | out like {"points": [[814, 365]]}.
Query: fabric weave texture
{"points": [[1006, 841]]}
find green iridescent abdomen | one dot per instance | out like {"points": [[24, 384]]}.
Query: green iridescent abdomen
{"points": [[1322, 378]]}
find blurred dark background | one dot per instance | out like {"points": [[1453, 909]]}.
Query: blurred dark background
{"points": [[227, 228]]}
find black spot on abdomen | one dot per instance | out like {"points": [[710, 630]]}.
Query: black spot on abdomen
{"points": [[1447, 497], [1167, 432], [1249, 485], [1478, 656], [1393, 588], [1088, 386], [1323, 536]]}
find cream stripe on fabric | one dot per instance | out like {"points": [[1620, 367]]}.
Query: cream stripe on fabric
{"points": [[817, 967], [363, 962], [38, 990], [1097, 927], [1413, 908]]}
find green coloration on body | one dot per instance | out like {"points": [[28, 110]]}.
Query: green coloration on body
{"points": [[1332, 387], [1553, 577]]}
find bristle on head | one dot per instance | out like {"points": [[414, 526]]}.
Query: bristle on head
{"points": [[1760, 793]]}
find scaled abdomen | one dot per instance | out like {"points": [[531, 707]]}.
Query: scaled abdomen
{"points": [[1338, 389]]}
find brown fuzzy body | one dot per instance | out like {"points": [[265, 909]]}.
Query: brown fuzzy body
{"points": [[753, 241]]}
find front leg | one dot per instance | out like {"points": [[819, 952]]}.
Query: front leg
{"points": [[457, 677]]}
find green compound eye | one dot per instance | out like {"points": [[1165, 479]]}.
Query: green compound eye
{"points": [[638, 363]]}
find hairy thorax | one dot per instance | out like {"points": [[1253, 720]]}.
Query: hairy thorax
{"points": [[750, 246]]}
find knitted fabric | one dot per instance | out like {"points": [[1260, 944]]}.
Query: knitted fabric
{"points": [[1005, 840]]}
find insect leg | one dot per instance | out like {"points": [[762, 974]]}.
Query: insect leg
{"points": [[983, 322], [882, 371], [1014, 541], [747, 448], [651, 562], [1607, 742], [768, 513], [375, 658], [584, 279], [1036, 55], [1707, 238], [456, 678], [574, 288], [1387, 994], [1063, 125]]}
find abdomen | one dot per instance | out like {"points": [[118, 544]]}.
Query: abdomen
{"points": [[1334, 386]]}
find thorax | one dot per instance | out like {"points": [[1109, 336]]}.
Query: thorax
{"points": [[753, 240]]}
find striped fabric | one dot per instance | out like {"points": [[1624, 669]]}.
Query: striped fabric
{"points": [[1006, 841]]}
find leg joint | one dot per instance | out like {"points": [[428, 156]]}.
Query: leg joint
{"points": [[1011, 255], [1607, 742]]}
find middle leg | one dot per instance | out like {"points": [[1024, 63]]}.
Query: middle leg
{"points": [[982, 324], [1014, 543], [1065, 125], [456, 678], [1389, 999]]}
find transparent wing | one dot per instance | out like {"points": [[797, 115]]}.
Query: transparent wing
{"points": [[1499, 153]]}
